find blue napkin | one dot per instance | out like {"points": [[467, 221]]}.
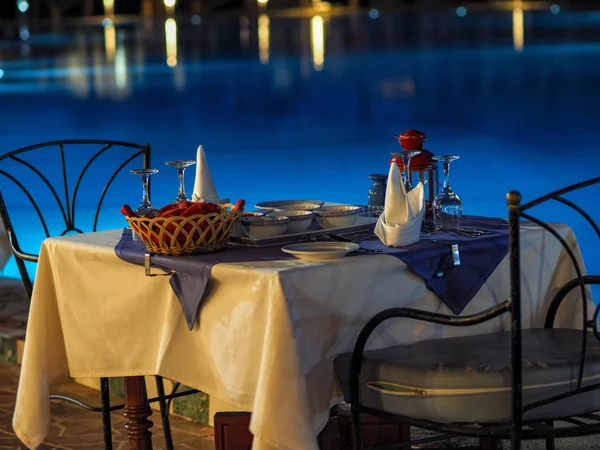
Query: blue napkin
{"points": [[192, 273], [479, 257]]}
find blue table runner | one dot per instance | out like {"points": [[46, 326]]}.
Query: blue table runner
{"points": [[479, 258]]}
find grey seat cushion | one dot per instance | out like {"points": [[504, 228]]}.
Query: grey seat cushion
{"points": [[467, 379]]}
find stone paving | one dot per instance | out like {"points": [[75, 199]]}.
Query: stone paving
{"points": [[14, 308], [73, 428]]}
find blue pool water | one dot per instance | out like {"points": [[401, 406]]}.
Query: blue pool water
{"points": [[308, 108]]}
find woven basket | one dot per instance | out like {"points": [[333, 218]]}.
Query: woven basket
{"points": [[178, 235]]}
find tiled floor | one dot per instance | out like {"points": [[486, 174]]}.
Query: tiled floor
{"points": [[76, 429], [14, 308]]}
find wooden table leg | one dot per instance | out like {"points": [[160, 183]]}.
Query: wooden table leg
{"points": [[137, 411]]}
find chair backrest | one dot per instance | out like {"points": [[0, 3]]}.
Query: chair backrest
{"points": [[518, 211], [30, 166]]}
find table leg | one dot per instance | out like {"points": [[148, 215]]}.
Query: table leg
{"points": [[137, 411]]}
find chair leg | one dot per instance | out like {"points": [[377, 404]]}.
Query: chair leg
{"points": [[357, 437], [550, 441], [164, 413], [106, 425], [515, 443]]}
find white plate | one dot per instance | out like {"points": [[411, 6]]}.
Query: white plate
{"points": [[277, 203], [320, 251]]}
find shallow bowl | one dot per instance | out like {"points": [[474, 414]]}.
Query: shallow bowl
{"points": [[258, 227], [287, 204], [337, 216], [300, 206], [238, 230], [299, 220]]}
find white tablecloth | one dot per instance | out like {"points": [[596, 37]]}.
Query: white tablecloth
{"points": [[267, 335]]}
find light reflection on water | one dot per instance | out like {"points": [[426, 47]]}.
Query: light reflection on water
{"points": [[309, 107]]}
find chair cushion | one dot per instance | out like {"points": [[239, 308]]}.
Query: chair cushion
{"points": [[468, 379]]}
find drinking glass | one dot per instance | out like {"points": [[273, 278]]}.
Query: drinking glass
{"points": [[447, 206], [181, 165], [145, 207], [406, 156]]}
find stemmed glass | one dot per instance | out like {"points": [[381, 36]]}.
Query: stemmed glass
{"points": [[181, 165], [447, 206], [406, 156], [145, 207]]}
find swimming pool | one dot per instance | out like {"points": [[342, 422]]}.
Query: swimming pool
{"points": [[308, 107]]}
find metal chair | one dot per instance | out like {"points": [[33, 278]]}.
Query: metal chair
{"points": [[67, 207], [520, 381]]}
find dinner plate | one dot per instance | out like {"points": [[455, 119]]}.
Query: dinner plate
{"points": [[278, 203], [320, 251]]}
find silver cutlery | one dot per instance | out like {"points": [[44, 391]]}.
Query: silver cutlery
{"points": [[461, 232], [355, 238]]}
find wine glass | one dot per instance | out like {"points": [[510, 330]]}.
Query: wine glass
{"points": [[447, 206], [145, 207], [406, 156], [181, 165]]}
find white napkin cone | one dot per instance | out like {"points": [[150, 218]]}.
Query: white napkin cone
{"points": [[400, 223], [204, 186]]}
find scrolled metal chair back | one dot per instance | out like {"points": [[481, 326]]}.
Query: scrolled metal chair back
{"points": [[60, 193], [518, 211]]}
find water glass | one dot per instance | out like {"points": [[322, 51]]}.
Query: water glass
{"points": [[447, 206], [145, 206], [181, 165], [406, 156]]}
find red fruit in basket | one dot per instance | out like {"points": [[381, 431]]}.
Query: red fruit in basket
{"points": [[127, 211], [193, 209], [174, 212], [166, 209], [239, 205]]}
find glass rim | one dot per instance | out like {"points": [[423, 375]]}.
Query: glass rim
{"points": [[144, 171], [445, 158], [407, 153], [188, 162]]}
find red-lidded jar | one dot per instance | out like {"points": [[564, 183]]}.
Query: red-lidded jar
{"points": [[422, 166]]}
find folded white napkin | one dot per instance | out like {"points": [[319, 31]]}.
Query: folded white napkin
{"points": [[204, 186], [400, 223]]}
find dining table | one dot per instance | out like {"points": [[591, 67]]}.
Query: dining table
{"points": [[268, 328]]}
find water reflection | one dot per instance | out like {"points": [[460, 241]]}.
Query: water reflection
{"points": [[244, 32], [264, 25], [457, 80], [518, 29], [77, 76], [112, 83], [317, 38], [109, 7], [110, 41], [171, 41], [121, 67]]}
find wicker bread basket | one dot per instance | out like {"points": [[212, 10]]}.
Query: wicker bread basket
{"points": [[178, 235]]}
